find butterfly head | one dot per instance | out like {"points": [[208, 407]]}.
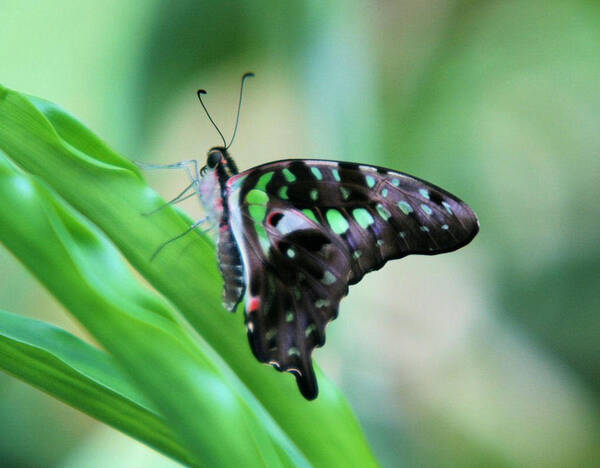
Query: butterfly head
{"points": [[219, 160]]}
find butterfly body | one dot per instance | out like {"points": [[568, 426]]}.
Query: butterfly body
{"points": [[294, 234], [213, 193]]}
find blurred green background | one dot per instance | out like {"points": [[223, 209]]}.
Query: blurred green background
{"points": [[489, 356]]}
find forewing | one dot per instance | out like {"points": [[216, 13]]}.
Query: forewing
{"points": [[308, 228]]}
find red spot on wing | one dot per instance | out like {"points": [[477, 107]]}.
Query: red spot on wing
{"points": [[253, 304]]}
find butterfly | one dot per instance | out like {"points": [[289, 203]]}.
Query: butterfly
{"points": [[293, 235]]}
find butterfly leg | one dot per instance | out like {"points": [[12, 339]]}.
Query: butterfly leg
{"points": [[184, 195], [190, 166], [177, 165], [179, 236], [192, 170]]}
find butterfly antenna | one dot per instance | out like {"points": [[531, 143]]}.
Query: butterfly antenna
{"points": [[199, 93], [237, 119]]}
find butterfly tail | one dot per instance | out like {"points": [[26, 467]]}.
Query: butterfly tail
{"points": [[307, 382]]}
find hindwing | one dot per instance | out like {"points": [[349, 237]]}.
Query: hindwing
{"points": [[306, 229]]}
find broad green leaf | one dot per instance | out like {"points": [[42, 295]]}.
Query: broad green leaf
{"points": [[210, 412], [109, 190], [86, 378]]}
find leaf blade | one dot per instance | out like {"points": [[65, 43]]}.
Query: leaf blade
{"points": [[84, 377], [109, 190], [84, 271]]}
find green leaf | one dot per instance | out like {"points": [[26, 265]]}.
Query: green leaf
{"points": [[142, 332], [76, 262], [86, 378]]}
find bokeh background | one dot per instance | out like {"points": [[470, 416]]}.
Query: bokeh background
{"points": [[489, 356]]}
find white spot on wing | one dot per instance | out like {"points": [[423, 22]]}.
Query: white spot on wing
{"points": [[448, 207], [426, 209], [328, 278], [291, 222]]}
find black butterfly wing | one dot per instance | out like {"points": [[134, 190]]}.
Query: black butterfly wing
{"points": [[306, 229]]}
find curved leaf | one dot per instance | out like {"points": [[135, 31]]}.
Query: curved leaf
{"points": [[84, 377], [108, 189], [76, 262]]}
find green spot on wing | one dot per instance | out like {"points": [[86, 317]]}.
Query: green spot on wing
{"points": [[336, 174], [426, 209], [337, 222], [328, 278], [309, 214], [263, 181], [257, 212], [283, 192], [405, 207], [263, 238], [448, 207], [370, 181], [345, 192], [288, 175], [257, 197], [314, 194], [383, 212], [265, 244], [363, 217], [317, 173]]}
